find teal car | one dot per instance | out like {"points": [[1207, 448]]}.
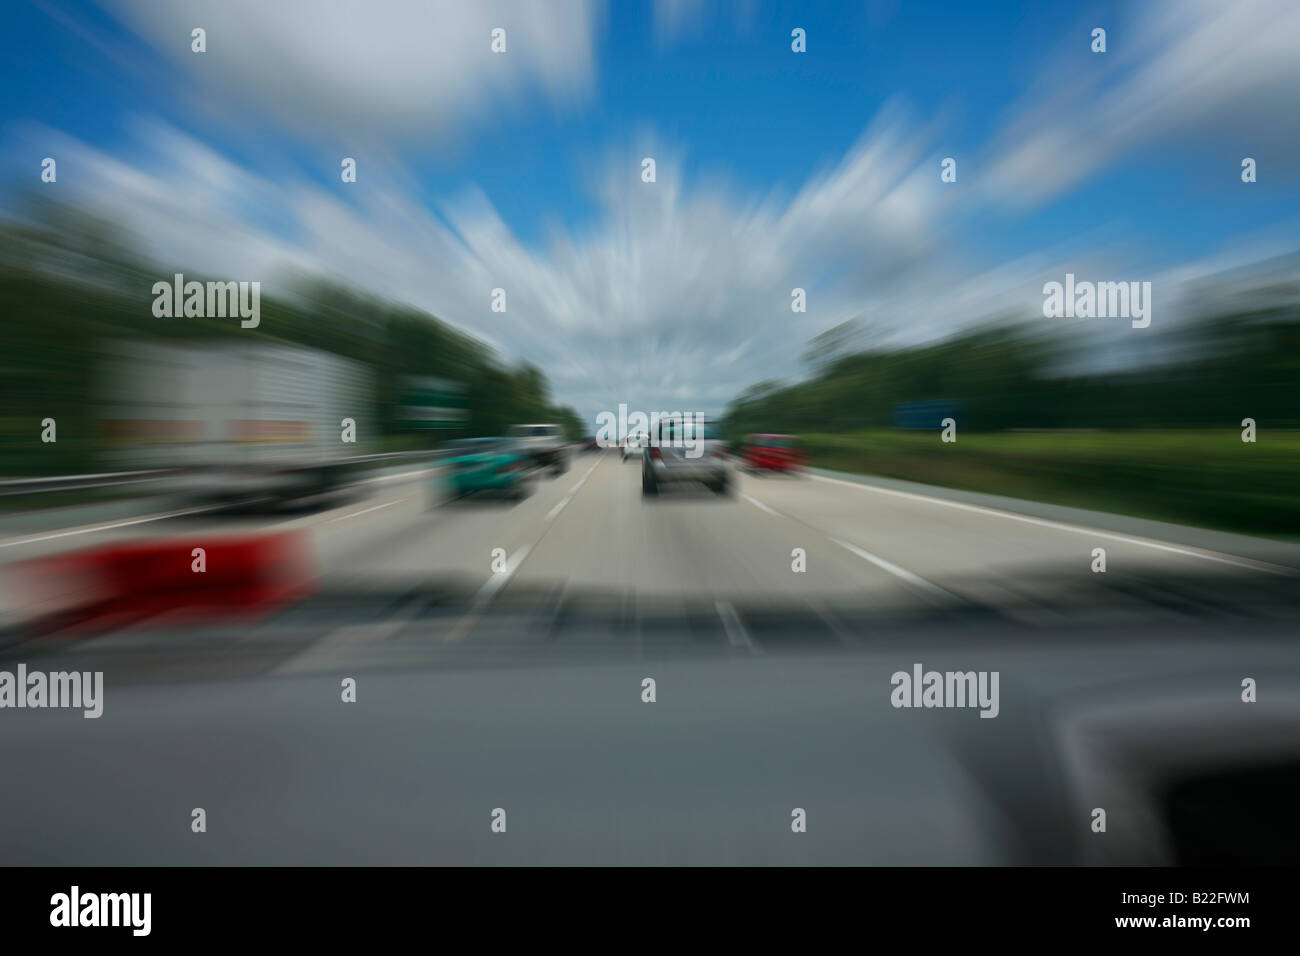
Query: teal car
{"points": [[489, 464]]}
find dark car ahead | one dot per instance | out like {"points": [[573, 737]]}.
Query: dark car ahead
{"points": [[770, 452]]}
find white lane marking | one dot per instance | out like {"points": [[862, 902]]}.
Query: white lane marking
{"points": [[366, 511], [550, 515], [582, 481], [106, 527], [318, 655], [321, 654], [758, 504], [913, 579], [489, 588], [499, 578], [1062, 526], [91, 529], [736, 632]]}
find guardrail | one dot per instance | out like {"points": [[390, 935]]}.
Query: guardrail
{"points": [[28, 486]]}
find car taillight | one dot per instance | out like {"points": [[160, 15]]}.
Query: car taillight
{"points": [[655, 454]]}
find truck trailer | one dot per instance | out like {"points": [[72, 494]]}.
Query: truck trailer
{"points": [[239, 421]]}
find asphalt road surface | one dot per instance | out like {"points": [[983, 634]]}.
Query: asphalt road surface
{"points": [[687, 559]]}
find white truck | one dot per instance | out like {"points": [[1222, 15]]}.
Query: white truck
{"points": [[546, 445], [239, 421]]}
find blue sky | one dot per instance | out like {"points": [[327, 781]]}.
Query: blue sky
{"points": [[817, 169]]}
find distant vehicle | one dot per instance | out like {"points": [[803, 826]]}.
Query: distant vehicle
{"points": [[544, 444], [590, 443], [632, 445], [667, 461], [772, 453], [239, 421], [489, 464]]}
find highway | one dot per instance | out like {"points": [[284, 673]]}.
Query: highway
{"points": [[696, 565]]}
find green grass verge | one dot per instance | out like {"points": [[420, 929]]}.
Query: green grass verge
{"points": [[1209, 479]]}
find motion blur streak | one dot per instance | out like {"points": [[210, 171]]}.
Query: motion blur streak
{"points": [[356, 569]]}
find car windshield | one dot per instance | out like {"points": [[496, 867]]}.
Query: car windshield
{"points": [[534, 431]]}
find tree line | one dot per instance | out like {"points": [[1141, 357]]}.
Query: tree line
{"points": [[69, 282], [1210, 372]]}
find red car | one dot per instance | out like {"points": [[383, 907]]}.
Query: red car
{"points": [[772, 453]]}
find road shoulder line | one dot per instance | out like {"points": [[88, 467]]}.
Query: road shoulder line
{"points": [[1243, 550]]}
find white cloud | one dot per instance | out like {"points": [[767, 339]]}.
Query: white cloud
{"points": [[1202, 67], [675, 20], [407, 71]]}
